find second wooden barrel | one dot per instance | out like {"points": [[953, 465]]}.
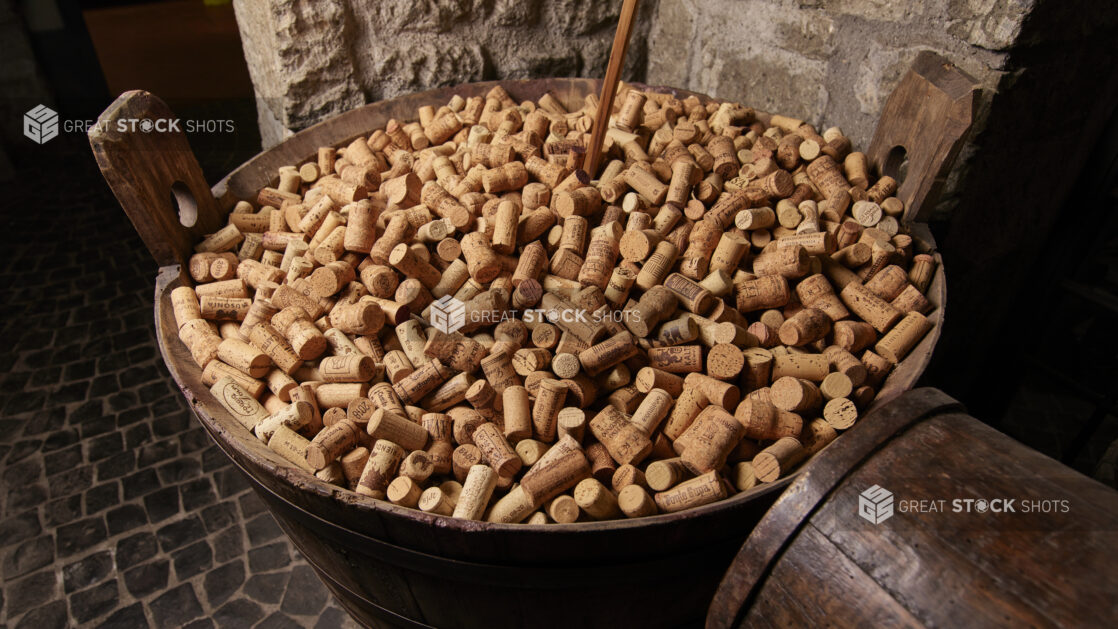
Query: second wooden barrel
{"points": [[929, 518]]}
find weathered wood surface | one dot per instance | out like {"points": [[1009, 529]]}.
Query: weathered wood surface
{"points": [[928, 116], [142, 166], [813, 561]]}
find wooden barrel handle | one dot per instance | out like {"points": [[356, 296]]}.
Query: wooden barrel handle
{"points": [[147, 162], [924, 122]]}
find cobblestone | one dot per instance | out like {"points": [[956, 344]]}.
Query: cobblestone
{"points": [[116, 510]]}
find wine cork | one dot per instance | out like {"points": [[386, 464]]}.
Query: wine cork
{"points": [[399, 430], [692, 493], [425, 379], [510, 176], [888, 282], [758, 368], [827, 177], [572, 422], [240, 404], [687, 407], [379, 470], [403, 258], [596, 500], [481, 261], [710, 439], [795, 394], [704, 238], [417, 466], [267, 339], [624, 441], [545, 412], [404, 491], [224, 308], [657, 304], [331, 443], [351, 464], [351, 368], [433, 500], [726, 162], [677, 359], [439, 426], [244, 357], [725, 361], [771, 291], [216, 370], [840, 413], [764, 421], [836, 385], [291, 446], [517, 414], [816, 436], [899, 341], [790, 262], [608, 353], [651, 411], [338, 394], [496, 450], [853, 336], [777, 459], [690, 293], [649, 378], [499, 371], [464, 457], [805, 327], [530, 359], [564, 509], [184, 303], [279, 383], [922, 271], [717, 392], [871, 308], [602, 465], [514, 507], [466, 422], [667, 473], [363, 317], [815, 291], [657, 266], [911, 300], [530, 451], [559, 469]]}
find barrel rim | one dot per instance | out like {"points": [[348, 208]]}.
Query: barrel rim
{"points": [[217, 421], [779, 528]]}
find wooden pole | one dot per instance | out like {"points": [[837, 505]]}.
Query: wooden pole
{"points": [[609, 85]]}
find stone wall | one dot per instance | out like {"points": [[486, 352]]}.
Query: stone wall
{"points": [[310, 59]]}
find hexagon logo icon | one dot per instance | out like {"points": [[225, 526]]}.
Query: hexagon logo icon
{"points": [[448, 314], [875, 504], [40, 124]]}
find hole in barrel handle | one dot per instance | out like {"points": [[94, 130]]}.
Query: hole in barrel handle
{"points": [[184, 204], [896, 164]]}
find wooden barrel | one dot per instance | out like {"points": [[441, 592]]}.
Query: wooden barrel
{"points": [[391, 566], [927, 517]]}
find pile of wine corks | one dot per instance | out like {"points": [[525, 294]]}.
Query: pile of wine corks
{"points": [[702, 315]]}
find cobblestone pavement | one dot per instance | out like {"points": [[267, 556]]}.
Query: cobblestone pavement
{"points": [[116, 509]]}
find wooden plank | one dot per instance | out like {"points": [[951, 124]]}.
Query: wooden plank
{"points": [[928, 115], [827, 588], [759, 555], [948, 568], [141, 166]]}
